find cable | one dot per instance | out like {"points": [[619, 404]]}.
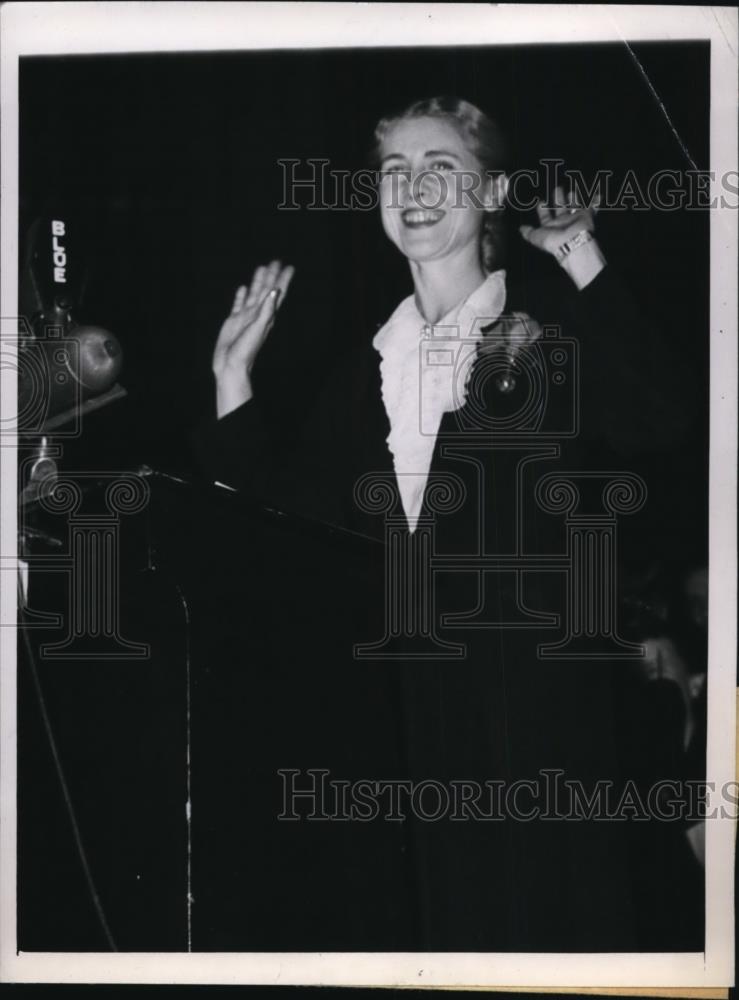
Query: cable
{"points": [[188, 758], [153, 566]]}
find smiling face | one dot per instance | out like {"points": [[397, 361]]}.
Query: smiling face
{"points": [[432, 190]]}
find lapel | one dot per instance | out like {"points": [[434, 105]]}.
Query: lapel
{"points": [[366, 450], [368, 453]]}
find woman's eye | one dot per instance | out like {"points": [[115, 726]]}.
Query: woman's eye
{"points": [[442, 165], [394, 169]]}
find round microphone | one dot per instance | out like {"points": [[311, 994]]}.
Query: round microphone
{"points": [[59, 373], [100, 358]]}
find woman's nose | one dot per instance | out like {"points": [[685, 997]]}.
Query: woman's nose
{"points": [[421, 188], [427, 189]]}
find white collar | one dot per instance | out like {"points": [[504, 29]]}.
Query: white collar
{"points": [[486, 302], [417, 391]]}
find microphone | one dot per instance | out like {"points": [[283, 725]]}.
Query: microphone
{"points": [[66, 368]]}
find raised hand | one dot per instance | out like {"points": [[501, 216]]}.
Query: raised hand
{"points": [[560, 223], [244, 331]]}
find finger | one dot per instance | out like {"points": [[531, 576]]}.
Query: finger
{"points": [[239, 299], [267, 305], [273, 296], [283, 282], [532, 235], [577, 219], [577, 205], [268, 308], [244, 348], [256, 286], [567, 205], [264, 279], [271, 274], [543, 211]]}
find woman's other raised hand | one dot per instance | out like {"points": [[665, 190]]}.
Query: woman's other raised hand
{"points": [[244, 331], [561, 223]]}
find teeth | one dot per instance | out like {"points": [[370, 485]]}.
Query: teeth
{"points": [[418, 215]]}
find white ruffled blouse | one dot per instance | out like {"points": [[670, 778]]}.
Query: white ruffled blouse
{"points": [[424, 372]]}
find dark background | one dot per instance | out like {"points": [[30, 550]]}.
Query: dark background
{"points": [[168, 166]]}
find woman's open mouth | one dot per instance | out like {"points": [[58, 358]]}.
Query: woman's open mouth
{"points": [[418, 217]]}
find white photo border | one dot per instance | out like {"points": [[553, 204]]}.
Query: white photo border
{"points": [[79, 28]]}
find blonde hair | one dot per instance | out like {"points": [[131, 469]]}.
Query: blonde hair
{"points": [[484, 139]]}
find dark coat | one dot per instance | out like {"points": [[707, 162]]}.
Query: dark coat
{"points": [[631, 396], [501, 711]]}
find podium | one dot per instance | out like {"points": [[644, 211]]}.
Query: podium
{"points": [[225, 659]]}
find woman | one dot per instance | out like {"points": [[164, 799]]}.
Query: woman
{"points": [[401, 412], [446, 232]]}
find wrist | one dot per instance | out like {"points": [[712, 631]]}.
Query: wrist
{"points": [[583, 264], [232, 391]]}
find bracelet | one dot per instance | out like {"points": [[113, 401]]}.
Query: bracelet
{"points": [[578, 240]]}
